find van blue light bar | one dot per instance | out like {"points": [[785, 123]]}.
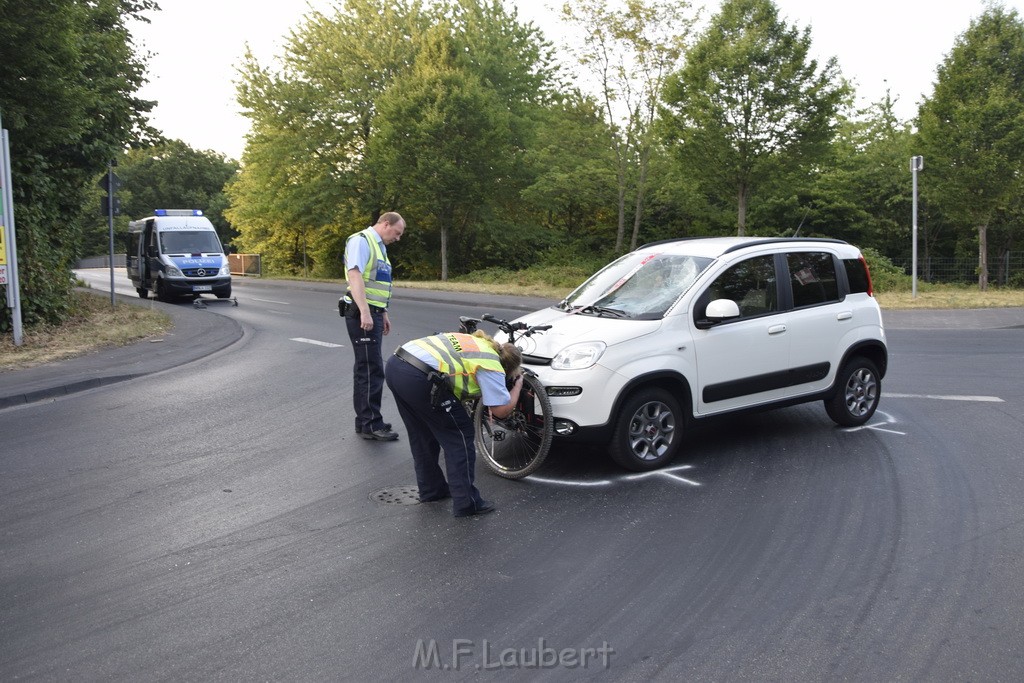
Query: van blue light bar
{"points": [[177, 212]]}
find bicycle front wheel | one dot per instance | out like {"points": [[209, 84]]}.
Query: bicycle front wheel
{"points": [[515, 446]]}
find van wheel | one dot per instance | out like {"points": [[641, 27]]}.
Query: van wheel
{"points": [[225, 294], [857, 390], [143, 292], [161, 291], [648, 432]]}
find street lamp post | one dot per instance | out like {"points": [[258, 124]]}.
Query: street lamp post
{"points": [[916, 164]]}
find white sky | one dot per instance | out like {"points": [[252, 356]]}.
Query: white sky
{"points": [[196, 46]]}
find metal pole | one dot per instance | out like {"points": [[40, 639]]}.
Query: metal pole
{"points": [[13, 287], [110, 224], [916, 163]]}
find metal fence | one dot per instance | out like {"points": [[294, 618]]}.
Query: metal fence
{"points": [[100, 262], [1008, 270]]}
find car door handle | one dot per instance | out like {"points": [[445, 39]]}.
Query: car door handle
{"points": [[776, 329], [845, 315]]}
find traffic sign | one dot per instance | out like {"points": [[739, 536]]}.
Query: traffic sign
{"points": [[113, 180]]}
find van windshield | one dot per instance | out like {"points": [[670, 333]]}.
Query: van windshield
{"points": [[640, 286], [190, 242]]}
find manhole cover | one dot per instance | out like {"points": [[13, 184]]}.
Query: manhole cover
{"points": [[397, 495]]}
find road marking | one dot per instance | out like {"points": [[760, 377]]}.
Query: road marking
{"points": [[315, 342], [667, 473], [937, 397], [271, 301]]}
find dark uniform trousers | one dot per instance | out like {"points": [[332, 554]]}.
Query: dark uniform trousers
{"points": [[448, 427], [368, 371]]}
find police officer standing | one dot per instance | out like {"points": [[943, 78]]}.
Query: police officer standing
{"points": [[364, 306], [429, 378]]}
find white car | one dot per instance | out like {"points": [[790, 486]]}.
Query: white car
{"points": [[685, 329]]}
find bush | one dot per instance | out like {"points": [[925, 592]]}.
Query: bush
{"points": [[885, 275]]}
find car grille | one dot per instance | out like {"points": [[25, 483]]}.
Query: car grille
{"points": [[200, 272]]}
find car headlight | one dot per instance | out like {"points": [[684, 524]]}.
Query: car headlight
{"points": [[173, 272], [578, 356], [225, 269]]}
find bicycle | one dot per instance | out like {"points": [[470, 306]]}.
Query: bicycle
{"points": [[514, 446]]}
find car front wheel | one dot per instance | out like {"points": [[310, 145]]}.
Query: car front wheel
{"points": [[648, 431], [858, 388]]}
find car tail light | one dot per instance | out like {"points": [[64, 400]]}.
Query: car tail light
{"points": [[867, 272]]}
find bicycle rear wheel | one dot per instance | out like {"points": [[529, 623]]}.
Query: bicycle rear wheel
{"points": [[517, 445]]}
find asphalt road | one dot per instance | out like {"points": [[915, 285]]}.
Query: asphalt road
{"points": [[219, 521]]}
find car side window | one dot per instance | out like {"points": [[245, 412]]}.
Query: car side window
{"points": [[812, 276], [751, 284]]}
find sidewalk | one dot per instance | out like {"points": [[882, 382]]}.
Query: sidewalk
{"points": [[193, 336], [196, 336]]}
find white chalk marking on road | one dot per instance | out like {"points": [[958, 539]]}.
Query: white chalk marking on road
{"points": [[878, 427], [937, 397], [566, 482], [668, 473], [315, 342], [271, 301]]}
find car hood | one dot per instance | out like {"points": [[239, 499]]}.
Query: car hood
{"points": [[572, 328]]}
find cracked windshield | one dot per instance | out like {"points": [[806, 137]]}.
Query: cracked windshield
{"points": [[639, 287]]}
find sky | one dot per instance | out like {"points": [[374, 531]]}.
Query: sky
{"points": [[195, 47]]}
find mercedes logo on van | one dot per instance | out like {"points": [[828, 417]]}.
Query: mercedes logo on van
{"points": [[201, 272]]}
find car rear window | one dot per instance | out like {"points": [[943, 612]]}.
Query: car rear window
{"points": [[857, 274]]}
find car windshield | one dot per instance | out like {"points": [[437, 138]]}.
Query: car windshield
{"points": [[639, 286], [190, 242]]}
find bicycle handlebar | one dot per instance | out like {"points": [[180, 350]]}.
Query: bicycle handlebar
{"points": [[509, 328]]}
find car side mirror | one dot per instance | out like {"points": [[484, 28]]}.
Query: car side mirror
{"points": [[718, 311], [722, 309]]}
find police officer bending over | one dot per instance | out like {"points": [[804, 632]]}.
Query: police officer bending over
{"points": [[429, 377]]}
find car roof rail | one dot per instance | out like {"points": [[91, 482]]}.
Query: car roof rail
{"points": [[777, 240]]}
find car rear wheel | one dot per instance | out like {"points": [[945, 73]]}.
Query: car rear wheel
{"points": [[143, 292], [648, 431], [858, 389]]}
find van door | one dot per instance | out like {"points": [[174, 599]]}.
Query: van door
{"points": [[150, 254]]}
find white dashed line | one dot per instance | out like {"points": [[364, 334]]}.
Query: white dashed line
{"points": [[271, 301], [316, 343]]}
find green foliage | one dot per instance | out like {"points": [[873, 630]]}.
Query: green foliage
{"points": [[971, 130], [68, 78], [885, 275], [750, 104]]}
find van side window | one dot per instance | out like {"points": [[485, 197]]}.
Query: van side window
{"points": [[813, 278], [751, 284]]}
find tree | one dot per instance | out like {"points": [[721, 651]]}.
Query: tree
{"points": [[750, 104], [630, 52], [68, 78], [971, 129], [311, 166], [444, 140]]}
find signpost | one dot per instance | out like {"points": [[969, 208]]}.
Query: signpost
{"points": [[916, 164], [110, 182], [8, 242]]}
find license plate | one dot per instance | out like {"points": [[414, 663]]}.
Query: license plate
{"points": [[202, 288]]}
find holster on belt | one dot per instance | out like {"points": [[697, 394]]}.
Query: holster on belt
{"points": [[440, 383]]}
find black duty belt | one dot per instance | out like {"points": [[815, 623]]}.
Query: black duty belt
{"points": [[414, 361]]}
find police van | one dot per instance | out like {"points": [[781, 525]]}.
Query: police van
{"points": [[176, 252]]}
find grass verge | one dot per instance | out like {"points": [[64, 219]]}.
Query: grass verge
{"points": [[93, 325]]}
